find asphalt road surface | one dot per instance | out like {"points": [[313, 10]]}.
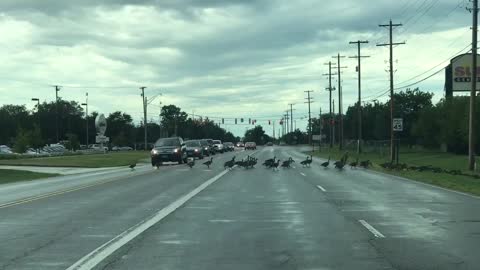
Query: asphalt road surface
{"points": [[199, 218]]}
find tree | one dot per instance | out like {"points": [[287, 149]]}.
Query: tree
{"points": [[72, 143], [36, 137], [172, 116], [257, 135], [22, 141], [120, 128], [13, 119]]}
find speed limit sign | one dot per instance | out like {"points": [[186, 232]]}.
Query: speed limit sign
{"points": [[397, 124]]}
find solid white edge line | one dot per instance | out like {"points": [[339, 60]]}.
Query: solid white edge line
{"points": [[92, 259], [321, 188], [369, 227]]}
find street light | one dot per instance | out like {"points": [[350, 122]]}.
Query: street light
{"points": [[38, 102], [86, 114]]}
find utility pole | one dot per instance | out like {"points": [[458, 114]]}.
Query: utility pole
{"points": [[359, 104], [333, 122], [287, 118], [391, 44], [57, 88], [291, 116], [144, 100], [321, 126], [273, 129], [330, 89], [473, 90], [309, 101], [86, 114], [340, 102], [160, 120]]}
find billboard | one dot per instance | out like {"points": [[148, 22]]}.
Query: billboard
{"points": [[461, 70]]}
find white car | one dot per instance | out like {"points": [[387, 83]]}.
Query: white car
{"points": [[98, 147], [5, 150], [218, 146]]}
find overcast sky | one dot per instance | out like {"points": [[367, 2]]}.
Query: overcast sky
{"points": [[230, 58]]}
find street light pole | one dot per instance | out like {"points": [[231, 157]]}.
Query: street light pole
{"points": [[144, 101], [57, 88], [86, 114]]}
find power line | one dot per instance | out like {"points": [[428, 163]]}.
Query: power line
{"points": [[448, 59], [419, 81]]}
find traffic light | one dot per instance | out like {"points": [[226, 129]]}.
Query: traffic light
{"points": [[249, 121], [235, 121], [241, 120], [269, 122], [223, 121]]}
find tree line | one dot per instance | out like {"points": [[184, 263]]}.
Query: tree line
{"points": [[435, 126], [35, 128]]}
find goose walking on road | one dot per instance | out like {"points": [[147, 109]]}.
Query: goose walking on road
{"points": [[208, 163], [326, 163]]}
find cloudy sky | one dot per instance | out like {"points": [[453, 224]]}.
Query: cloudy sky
{"points": [[230, 58]]}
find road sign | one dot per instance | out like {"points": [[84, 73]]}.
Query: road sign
{"points": [[397, 124], [316, 137], [101, 124], [101, 139]]}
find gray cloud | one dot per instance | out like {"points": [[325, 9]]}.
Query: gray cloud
{"points": [[238, 55]]}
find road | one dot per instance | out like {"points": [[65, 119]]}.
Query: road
{"points": [[199, 218]]}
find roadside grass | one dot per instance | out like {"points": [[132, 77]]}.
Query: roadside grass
{"points": [[112, 159], [418, 158], [8, 176]]}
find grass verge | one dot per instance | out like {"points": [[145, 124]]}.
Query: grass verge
{"points": [[8, 176], [85, 161], [422, 158]]}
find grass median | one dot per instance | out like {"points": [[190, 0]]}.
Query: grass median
{"points": [[112, 159], [8, 176], [443, 160]]}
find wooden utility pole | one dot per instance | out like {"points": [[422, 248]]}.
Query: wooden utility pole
{"points": [[359, 104], [340, 102], [330, 89], [309, 101], [291, 116], [391, 44], [473, 90], [333, 122]]}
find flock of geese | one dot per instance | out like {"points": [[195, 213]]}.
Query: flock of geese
{"points": [[274, 163]]}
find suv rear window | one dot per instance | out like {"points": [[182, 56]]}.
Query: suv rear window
{"points": [[217, 142], [192, 143], [167, 142]]}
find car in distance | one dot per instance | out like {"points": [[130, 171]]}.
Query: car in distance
{"points": [[218, 146], [228, 146], [250, 146], [269, 144], [240, 144], [168, 149], [194, 149], [205, 147], [212, 149]]}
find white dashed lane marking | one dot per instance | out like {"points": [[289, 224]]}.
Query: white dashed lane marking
{"points": [[369, 227]]}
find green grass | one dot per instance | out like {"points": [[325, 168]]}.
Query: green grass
{"points": [[418, 158], [8, 176], [85, 161]]}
